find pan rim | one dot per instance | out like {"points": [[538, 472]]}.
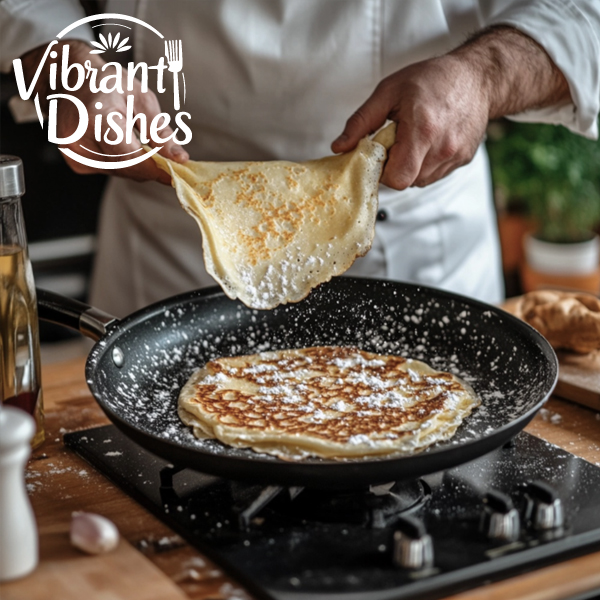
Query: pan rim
{"points": [[318, 465]]}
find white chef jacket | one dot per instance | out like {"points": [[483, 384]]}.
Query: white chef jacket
{"points": [[277, 79]]}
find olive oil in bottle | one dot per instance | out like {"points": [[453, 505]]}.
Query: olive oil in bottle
{"points": [[20, 366]]}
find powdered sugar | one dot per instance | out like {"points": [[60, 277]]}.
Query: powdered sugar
{"points": [[181, 336]]}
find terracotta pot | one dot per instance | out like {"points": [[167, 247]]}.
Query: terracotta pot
{"points": [[512, 229], [532, 280]]}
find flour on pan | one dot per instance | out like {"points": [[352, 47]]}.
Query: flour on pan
{"points": [[145, 392]]}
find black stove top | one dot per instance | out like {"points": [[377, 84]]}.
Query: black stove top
{"points": [[512, 510]]}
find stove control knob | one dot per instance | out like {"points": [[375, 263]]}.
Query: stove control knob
{"points": [[500, 519], [544, 509], [413, 548]]}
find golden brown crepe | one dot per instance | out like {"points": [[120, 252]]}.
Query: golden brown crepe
{"points": [[273, 230], [329, 401]]}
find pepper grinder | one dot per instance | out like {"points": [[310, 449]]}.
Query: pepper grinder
{"points": [[18, 529]]}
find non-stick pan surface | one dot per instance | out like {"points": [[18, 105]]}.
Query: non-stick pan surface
{"points": [[137, 369]]}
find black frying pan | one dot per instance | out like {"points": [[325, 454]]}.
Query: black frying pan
{"points": [[139, 364]]}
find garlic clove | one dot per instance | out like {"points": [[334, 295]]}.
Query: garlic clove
{"points": [[93, 533]]}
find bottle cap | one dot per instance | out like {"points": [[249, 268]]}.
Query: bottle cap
{"points": [[12, 182]]}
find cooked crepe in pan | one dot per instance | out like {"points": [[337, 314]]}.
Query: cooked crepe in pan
{"points": [[271, 231], [329, 401]]}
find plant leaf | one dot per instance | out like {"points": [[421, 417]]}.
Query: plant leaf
{"points": [[551, 171]]}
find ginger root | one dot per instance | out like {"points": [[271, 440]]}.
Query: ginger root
{"points": [[567, 320]]}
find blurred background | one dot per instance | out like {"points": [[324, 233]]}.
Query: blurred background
{"points": [[547, 193], [546, 183], [60, 207]]}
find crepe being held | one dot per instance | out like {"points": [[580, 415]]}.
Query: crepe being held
{"points": [[273, 230], [328, 401]]}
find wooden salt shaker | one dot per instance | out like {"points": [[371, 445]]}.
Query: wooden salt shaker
{"points": [[18, 529]]}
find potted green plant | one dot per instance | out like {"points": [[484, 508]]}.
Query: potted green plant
{"points": [[554, 176]]}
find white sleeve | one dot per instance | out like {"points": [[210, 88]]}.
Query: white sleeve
{"points": [[569, 31], [27, 24]]}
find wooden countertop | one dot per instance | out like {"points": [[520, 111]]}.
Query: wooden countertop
{"points": [[153, 563]]}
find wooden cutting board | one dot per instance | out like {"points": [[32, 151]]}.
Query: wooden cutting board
{"points": [[579, 378], [579, 374], [65, 574]]}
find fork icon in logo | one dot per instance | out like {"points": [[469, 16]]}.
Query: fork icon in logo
{"points": [[174, 57]]}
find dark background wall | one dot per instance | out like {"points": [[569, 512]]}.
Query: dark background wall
{"points": [[58, 204]]}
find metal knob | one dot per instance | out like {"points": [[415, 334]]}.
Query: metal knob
{"points": [[544, 508], [500, 519], [413, 548]]}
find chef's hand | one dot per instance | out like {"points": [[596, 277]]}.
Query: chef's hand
{"points": [[68, 118], [442, 105]]}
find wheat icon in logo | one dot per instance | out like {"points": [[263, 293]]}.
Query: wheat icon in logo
{"points": [[112, 42]]}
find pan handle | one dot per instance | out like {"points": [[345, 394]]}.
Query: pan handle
{"points": [[82, 317]]}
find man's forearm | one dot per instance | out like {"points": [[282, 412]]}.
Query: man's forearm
{"points": [[516, 72], [442, 105]]}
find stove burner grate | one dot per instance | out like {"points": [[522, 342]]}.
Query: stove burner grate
{"points": [[376, 508]]}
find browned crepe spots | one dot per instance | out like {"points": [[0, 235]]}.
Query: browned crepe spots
{"points": [[271, 231], [326, 401]]}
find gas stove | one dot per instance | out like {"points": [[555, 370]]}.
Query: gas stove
{"points": [[515, 509]]}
